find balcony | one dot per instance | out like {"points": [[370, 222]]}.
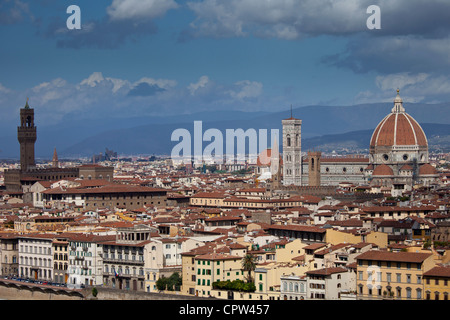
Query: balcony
{"points": [[123, 261]]}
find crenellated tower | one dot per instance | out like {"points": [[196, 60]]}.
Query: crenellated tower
{"points": [[26, 134]]}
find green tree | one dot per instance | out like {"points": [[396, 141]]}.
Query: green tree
{"points": [[173, 283], [249, 265], [161, 283]]}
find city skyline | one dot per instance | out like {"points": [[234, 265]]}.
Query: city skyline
{"points": [[229, 150]]}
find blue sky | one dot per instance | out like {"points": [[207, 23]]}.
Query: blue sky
{"points": [[166, 57]]}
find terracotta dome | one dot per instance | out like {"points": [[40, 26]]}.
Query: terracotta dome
{"points": [[383, 170], [265, 158], [398, 129], [427, 169], [406, 167]]}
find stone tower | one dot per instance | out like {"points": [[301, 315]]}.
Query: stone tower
{"points": [[26, 134], [55, 161], [314, 168], [292, 151]]}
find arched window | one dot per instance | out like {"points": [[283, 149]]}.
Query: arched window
{"points": [[288, 140]]}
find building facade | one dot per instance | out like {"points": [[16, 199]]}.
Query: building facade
{"points": [[9, 255], [392, 275], [436, 283], [36, 257]]}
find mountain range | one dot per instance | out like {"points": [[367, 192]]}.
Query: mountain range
{"points": [[326, 128]]}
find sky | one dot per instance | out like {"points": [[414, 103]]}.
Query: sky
{"points": [[169, 57]]}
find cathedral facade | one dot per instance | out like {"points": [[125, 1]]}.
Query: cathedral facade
{"points": [[398, 157]]}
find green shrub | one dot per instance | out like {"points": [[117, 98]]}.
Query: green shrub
{"points": [[236, 285]]}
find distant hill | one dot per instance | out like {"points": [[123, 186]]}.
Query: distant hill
{"points": [[323, 127]]}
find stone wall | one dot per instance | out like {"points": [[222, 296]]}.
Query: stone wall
{"points": [[19, 291]]}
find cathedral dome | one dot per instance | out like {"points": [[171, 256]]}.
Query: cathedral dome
{"points": [[427, 169], [398, 129], [383, 170]]}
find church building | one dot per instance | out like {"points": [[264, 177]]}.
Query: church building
{"points": [[398, 157]]}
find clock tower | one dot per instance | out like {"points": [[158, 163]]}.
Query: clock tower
{"points": [[26, 134]]}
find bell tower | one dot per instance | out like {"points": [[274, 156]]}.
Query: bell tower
{"points": [[314, 168], [292, 151], [26, 134]]}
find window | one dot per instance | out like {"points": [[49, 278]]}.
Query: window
{"points": [[419, 293]]}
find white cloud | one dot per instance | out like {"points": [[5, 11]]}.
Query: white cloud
{"points": [[399, 80], [162, 83], [285, 19], [4, 89], [247, 89], [139, 9], [289, 19], [93, 79], [201, 83], [420, 87]]}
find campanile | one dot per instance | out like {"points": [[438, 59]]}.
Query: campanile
{"points": [[26, 134]]}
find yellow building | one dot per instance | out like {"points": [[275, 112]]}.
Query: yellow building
{"points": [[268, 278], [290, 250], [336, 236], [188, 273], [212, 267], [392, 275], [436, 283], [207, 199]]}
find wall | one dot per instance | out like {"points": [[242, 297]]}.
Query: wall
{"points": [[24, 292]]}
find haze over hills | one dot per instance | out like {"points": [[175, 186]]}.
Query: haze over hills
{"points": [[324, 128]]}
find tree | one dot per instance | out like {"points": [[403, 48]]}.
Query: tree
{"points": [[173, 283], [249, 265]]}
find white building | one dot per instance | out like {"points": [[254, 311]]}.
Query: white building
{"points": [[36, 257], [329, 283], [293, 287], [86, 260]]}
